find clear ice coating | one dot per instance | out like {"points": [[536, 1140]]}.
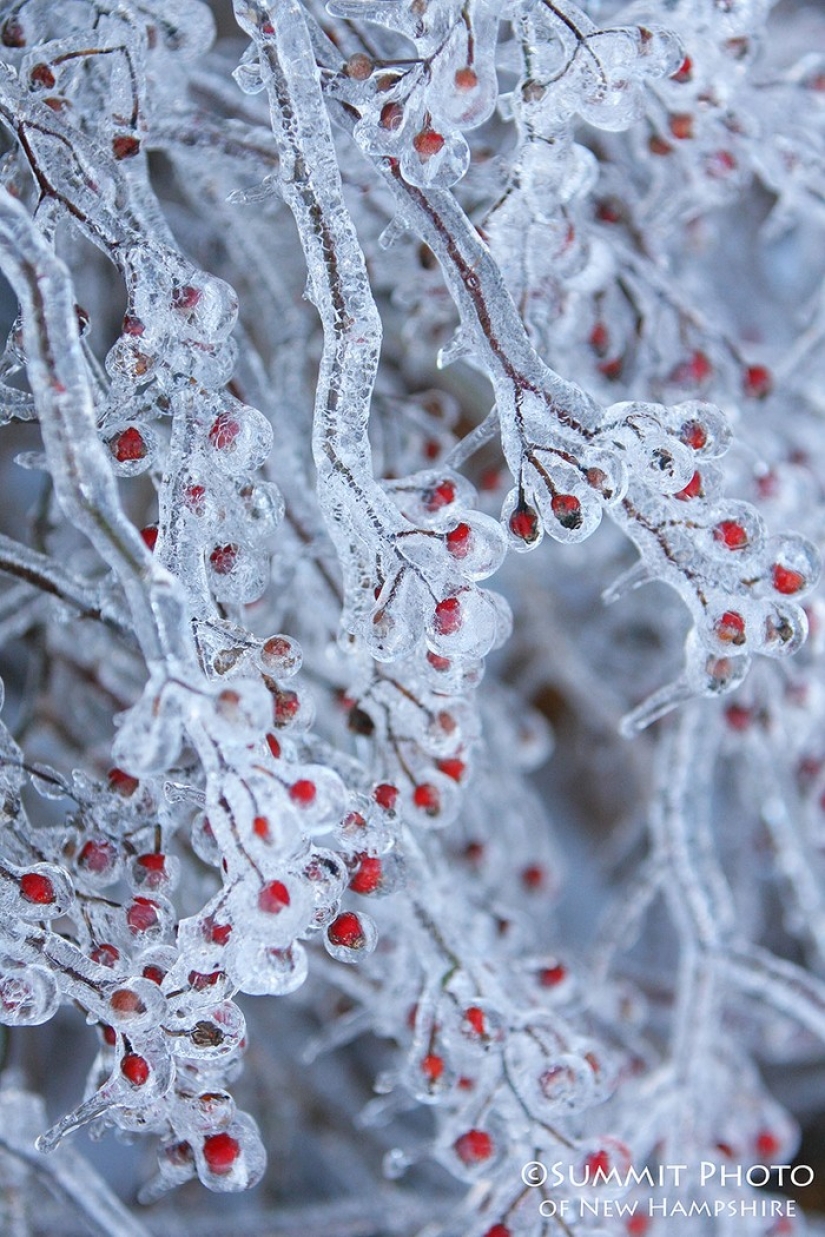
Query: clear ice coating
{"points": [[311, 333]]}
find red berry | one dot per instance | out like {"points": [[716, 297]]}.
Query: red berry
{"points": [[133, 325], [125, 1001], [730, 628], [448, 616], [452, 767], [438, 663], [597, 1162], [41, 75], [276, 648], [109, 1035], [474, 1147], [223, 559], [347, 931], [427, 798], [767, 1144], [152, 862], [700, 367], [612, 369], [142, 915], [786, 581], [193, 498], [498, 1230], [693, 489], [476, 1020], [135, 1069], [220, 1152], [433, 1066], [474, 852], [128, 446], [353, 822], [693, 434], [219, 933], [738, 717], [37, 888], [757, 382], [285, 707], [359, 67], [151, 870], [392, 115], [551, 976], [224, 431], [149, 536], [427, 143], [186, 297], [524, 523], [458, 541], [368, 876], [608, 210], [123, 782], [599, 338], [439, 496], [303, 792], [154, 973], [568, 510], [97, 855], [684, 72], [200, 981], [681, 126], [731, 534], [260, 827], [533, 877], [12, 34], [637, 1225], [273, 898], [658, 146], [385, 796], [105, 955], [274, 746], [466, 79], [125, 146]]}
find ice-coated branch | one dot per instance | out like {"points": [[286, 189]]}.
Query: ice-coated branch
{"points": [[82, 475], [252, 742]]}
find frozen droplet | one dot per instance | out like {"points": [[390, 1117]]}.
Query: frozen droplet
{"points": [[262, 970], [395, 1163], [36, 892], [267, 188], [351, 936], [569, 509], [204, 842], [468, 623], [210, 1034], [248, 73], [29, 996], [435, 160], [132, 1005], [461, 345], [548, 1081], [393, 232], [48, 783], [392, 627], [231, 1158]]}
